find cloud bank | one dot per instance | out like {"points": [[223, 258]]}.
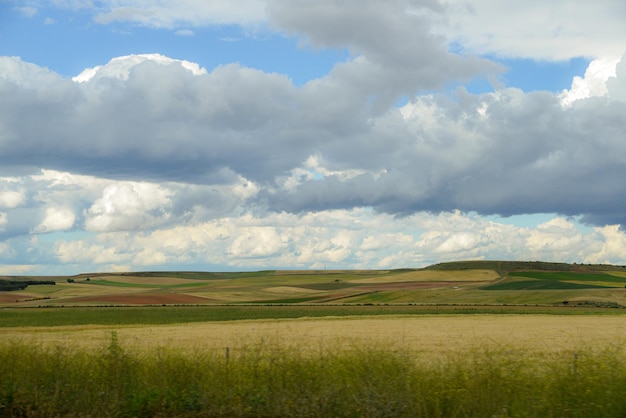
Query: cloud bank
{"points": [[152, 161], [506, 152]]}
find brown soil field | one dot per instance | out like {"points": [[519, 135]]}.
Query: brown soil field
{"points": [[12, 297], [441, 335]]}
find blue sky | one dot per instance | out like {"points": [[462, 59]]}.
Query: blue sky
{"points": [[73, 43], [274, 134], [67, 43]]}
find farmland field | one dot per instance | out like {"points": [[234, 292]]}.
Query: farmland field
{"points": [[428, 334], [469, 283], [459, 339], [390, 365]]}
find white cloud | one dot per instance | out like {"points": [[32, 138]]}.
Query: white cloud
{"points": [[11, 199], [593, 83], [557, 236], [613, 246], [120, 67], [537, 29], [56, 219], [457, 243], [343, 239], [254, 242], [82, 252], [128, 206]]}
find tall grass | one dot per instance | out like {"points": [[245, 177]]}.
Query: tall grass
{"points": [[271, 379]]}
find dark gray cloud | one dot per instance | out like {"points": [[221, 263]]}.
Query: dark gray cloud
{"points": [[162, 122], [505, 153]]}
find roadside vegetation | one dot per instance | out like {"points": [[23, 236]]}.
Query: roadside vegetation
{"points": [[266, 379]]}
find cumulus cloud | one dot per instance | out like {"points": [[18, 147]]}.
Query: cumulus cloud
{"points": [[80, 252], [345, 239], [612, 245], [120, 67], [255, 242], [506, 152], [593, 83], [128, 206], [11, 199], [56, 219], [557, 236]]}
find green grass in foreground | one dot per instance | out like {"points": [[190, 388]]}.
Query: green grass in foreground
{"points": [[154, 315], [268, 379]]}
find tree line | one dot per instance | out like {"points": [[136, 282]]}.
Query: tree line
{"points": [[9, 285]]}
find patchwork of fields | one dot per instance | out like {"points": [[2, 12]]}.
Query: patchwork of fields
{"points": [[453, 283]]}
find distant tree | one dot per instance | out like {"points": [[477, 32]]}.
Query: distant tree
{"points": [[70, 280], [9, 285]]}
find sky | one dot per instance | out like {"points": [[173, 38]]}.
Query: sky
{"points": [[327, 134]]}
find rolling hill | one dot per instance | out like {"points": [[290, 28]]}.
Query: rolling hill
{"points": [[466, 282]]}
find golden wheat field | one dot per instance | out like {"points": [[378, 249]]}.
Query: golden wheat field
{"points": [[428, 335]]}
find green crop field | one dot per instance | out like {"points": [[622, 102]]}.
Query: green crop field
{"points": [[540, 285], [570, 276]]}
